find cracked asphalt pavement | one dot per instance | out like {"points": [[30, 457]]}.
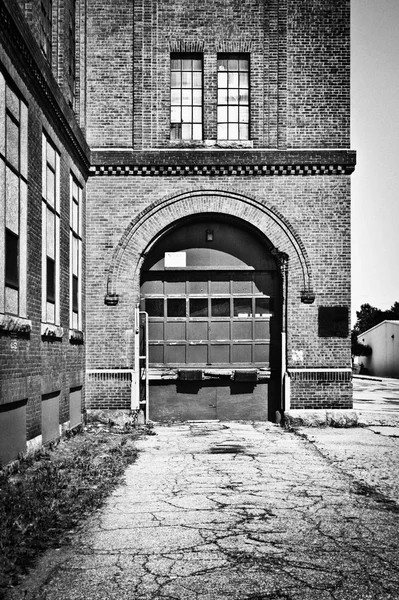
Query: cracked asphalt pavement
{"points": [[237, 511]]}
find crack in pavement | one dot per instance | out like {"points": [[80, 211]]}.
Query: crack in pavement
{"points": [[276, 519]]}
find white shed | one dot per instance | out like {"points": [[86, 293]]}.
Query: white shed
{"points": [[384, 341]]}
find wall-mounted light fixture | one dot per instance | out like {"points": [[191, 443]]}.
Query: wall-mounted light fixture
{"points": [[209, 235]]}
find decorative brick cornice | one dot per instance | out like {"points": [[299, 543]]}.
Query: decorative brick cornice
{"points": [[222, 163], [36, 73], [218, 170], [179, 45]]}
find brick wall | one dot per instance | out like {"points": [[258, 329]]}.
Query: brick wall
{"points": [[33, 365]]}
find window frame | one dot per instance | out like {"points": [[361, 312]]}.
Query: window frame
{"points": [[46, 28], [75, 243], [50, 224], [13, 199], [178, 125], [227, 107]]}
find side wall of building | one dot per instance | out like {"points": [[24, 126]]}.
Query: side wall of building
{"points": [[42, 366], [384, 342]]}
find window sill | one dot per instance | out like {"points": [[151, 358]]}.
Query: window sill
{"points": [[223, 144], [15, 324], [76, 337], [52, 331]]}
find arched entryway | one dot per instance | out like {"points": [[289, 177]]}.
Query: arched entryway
{"points": [[213, 293]]}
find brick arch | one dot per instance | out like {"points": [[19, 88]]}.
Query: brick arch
{"points": [[161, 215]]}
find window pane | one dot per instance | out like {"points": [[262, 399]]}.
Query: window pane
{"points": [[244, 132], [176, 307], [243, 64], [197, 115], [186, 97], [50, 186], [175, 64], [233, 114], [186, 80], [222, 64], [50, 249], [244, 80], [197, 64], [197, 132], [197, 80], [12, 102], [233, 96], [175, 114], [75, 294], [12, 142], [12, 201], [198, 307], [186, 64], [222, 96], [222, 132], [244, 114], [75, 221], [154, 307], [11, 300], [220, 307], [197, 97], [175, 79], [233, 80], [222, 80], [50, 280], [186, 114], [51, 155], [233, 64], [243, 307], [175, 97], [11, 251], [243, 96], [222, 114], [186, 131], [233, 131], [262, 306]]}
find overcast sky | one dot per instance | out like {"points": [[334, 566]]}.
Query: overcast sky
{"points": [[375, 136]]}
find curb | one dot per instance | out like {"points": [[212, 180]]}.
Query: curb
{"points": [[339, 418]]}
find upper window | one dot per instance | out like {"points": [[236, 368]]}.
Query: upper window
{"points": [[13, 200], [76, 255], [50, 233], [72, 52], [186, 97], [233, 97], [46, 28]]}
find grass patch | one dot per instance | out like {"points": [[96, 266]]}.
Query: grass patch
{"points": [[49, 494]]}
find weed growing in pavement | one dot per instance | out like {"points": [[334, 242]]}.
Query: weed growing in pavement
{"points": [[52, 492]]}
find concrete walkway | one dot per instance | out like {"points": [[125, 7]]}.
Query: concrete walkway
{"points": [[212, 511]]}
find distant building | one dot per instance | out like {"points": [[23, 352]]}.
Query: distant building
{"points": [[384, 342], [214, 140]]}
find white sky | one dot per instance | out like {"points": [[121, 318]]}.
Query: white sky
{"points": [[375, 137]]}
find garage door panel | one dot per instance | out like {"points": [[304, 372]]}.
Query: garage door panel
{"points": [[175, 330], [156, 330], [262, 353], [241, 353], [197, 354], [242, 330], [197, 330], [220, 354], [175, 354], [219, 330], [156, 354], [262, 330]]}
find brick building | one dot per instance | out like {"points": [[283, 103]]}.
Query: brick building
{"points": [[44, 161], [217, 204]]}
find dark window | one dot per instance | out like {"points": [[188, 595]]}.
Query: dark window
{"points": [[220, 307], [50, 280], [243, 307], [154, 307], [176, 307], [198, 307], [75, 294], [233, 97], [186, 97], [12, 251], [46, 28]]}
